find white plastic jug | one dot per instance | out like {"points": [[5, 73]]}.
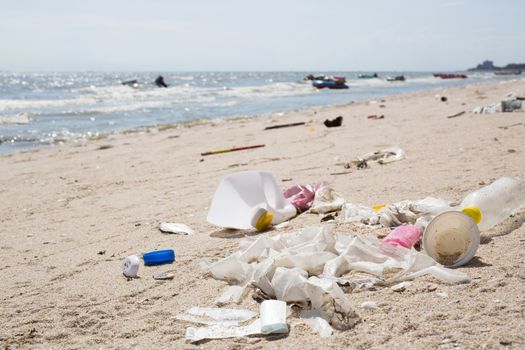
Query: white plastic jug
{"points": [[249, 199], [496, 201]]}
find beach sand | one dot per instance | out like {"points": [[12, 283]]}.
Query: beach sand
{"points": [[69, 215]]}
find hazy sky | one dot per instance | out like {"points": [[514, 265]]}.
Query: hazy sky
{"points": [[306, 35]]}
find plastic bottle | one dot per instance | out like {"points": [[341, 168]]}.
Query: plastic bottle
{"points": [[249, 199], [405, 235], [496, 201]]}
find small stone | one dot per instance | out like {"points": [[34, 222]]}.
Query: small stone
{"points": [[400, 287], [102, 252], [431, 287], [369, 305]]}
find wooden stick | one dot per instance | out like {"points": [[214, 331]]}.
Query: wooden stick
{"points": [[218, 151], [456, 115], [283, 125]]}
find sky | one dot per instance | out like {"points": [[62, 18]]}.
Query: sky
{"points": [[258, 35]]}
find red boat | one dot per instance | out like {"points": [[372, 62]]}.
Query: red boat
{"points": [[449, 76]]}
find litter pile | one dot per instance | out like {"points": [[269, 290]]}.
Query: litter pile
{"points": [[509, 104], [308, 267]]}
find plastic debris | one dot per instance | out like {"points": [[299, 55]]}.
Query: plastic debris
{"points": [[225, 323], [159, 257], [316, 322], [405, 235], [273, 317], [169, 227], [302, 196], [216, 316], [249, 199], [306, 267], [384, 156], [130, 267], [222, 331], [326, 200]]}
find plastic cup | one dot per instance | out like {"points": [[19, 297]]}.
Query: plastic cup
{"points": [[451, 238], [273, 317]]}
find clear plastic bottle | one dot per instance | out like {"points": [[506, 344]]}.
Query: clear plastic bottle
{"points": [[497, 200]]}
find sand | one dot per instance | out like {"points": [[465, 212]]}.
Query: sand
{"points": [[70, 214]]}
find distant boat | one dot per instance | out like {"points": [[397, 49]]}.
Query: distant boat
{"points": [[508, 72], [449, 76], [329, 84], [396, 78], [367, 76]]}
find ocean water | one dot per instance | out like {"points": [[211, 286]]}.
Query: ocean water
{"points": [[44, 109]]}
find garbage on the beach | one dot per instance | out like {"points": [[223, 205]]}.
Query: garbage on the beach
{"points": [[443, 99], [326, 200], [384, 156], [404, 212], [456, 114], [405, 235], [165, 275], [130, 267], [508, 105], [273, 317], [159, 257], [451, 238], [314, 319], [334, 122], [497, 201], [225, 323], [169, 227], [374, 116], [305, 267], [302, 196], [249, 199], [284, 125], [234, 149]]}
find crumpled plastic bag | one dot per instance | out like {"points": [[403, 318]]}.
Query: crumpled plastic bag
{"points": [[302, 196], [392, 215], [360, 213], [326, 200], [304, 268], [384, 156]]}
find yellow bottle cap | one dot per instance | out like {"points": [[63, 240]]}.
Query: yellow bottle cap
{"points": [[264, 221], [473, 212], [378, 207]]}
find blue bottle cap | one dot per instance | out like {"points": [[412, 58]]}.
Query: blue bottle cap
{"points": [[159, 257]]}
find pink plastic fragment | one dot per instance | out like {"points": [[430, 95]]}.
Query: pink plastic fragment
{"points": [[405, 235], [302, 196]]}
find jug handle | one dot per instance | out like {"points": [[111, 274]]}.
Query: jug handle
{"points": [[272, 191]]}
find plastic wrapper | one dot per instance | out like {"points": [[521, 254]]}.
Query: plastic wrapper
{"points": [[302, 196], [306, 268], [316, 322], [326, 200]]}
